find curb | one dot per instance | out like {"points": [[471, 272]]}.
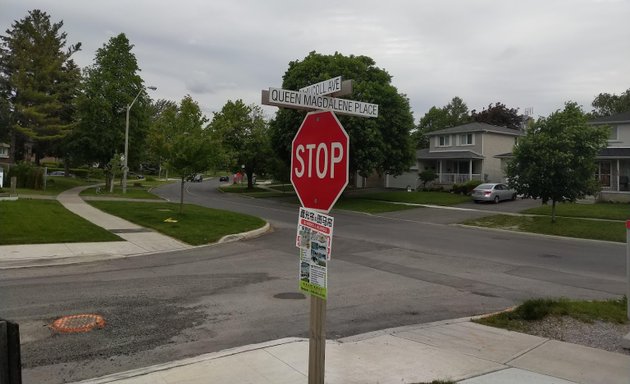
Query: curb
{"points": [[245, 235], [193, 360]]}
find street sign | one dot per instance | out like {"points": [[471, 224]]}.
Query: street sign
{"points": [[301, 100], [320, 160], [325, 87]]}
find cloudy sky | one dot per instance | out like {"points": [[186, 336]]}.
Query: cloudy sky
{"points": [[527, 54]]}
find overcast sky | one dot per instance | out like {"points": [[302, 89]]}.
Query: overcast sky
{"points": [[526, 54]]}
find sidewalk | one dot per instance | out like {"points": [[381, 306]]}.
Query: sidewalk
{"points": [[456, 350], [137, 240]]}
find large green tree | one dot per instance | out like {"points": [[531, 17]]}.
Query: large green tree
{"points": [[382, 144], [499, 115], [38, 80], [110, 85], [555, 161], [606, 104], [187, 148], [452, 114], [243, 133]]}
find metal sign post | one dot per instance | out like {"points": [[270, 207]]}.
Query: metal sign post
{"points": [[319, 173]]}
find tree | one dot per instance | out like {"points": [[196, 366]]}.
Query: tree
{"points": [[188, 149], [382, 144], [606, 104], [427, 176], [243, 133], [452, 114], [111, 84], [39, 80], [555, 161], [499, 115], [159, 133]]}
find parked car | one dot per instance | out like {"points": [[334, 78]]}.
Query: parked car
{"points": [[224, 178], [196, 178], [59, 173], [493, 192]]}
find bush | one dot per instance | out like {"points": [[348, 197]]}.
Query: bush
{"points": [[28, 176], [470, 185]]}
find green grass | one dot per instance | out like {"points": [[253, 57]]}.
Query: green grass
{"points": [[569, 227], [56, 185], [434, 198], [140, 191], [369, 206], [613, 311], [26, 221], [196, 225], [611, 211]]}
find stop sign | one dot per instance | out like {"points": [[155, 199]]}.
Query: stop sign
{"points": [[319, 160]]}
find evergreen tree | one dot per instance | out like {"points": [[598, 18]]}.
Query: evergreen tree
{"points": [[39, 80]]}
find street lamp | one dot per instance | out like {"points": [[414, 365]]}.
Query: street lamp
{"points": [[125, 167]]}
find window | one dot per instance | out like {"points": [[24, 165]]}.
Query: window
{"points": [[466, 139], [613, 133], [603, 173], [4, 152], [444, 141]]}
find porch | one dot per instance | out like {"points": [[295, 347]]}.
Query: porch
{"points": [[455, 171], [613, 176]]}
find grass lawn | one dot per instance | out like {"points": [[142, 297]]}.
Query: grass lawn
{"points": [[133, 192], [369, 206], [55, 185], [613, 311], [28, 221], [196, 225], [569, 227], [434, 198], [611, 211]]}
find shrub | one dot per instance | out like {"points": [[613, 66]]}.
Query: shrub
{"points": [[28, 176], [470, 185]]}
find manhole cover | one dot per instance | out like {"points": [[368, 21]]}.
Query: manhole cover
{"points": [[78, 323], [290, 295]]}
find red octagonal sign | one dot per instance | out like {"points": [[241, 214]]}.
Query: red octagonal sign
{"points": [[319, 160]]}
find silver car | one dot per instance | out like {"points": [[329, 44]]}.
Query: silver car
{"points": [[493, 192]]}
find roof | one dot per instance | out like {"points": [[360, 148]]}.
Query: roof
{"points": [[606, 153], [614, 153], [477, 127], [424, 154], [618, 118]]}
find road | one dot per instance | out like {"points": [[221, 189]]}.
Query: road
{"points": [[387, 270]]}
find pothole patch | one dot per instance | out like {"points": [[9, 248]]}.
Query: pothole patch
{"points": [[78, 323], [289, 296]]}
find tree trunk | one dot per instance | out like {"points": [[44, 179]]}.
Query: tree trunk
{"points": [[553, 211], [181, 196], [111, 183], [250, 181]]}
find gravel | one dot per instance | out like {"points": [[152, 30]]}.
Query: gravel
{"points": [[599, 334]]}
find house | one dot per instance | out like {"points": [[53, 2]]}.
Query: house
{"points": [[5, 153], [613, 162], [459, 154]]}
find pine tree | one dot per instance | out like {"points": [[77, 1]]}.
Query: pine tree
{"points": [[39, 81]]}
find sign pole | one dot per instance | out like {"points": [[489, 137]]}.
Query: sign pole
{"points": [[628, 270], [319, 174], [317, 341]]}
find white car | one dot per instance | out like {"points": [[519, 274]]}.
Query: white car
{"points": [[493, 192]]}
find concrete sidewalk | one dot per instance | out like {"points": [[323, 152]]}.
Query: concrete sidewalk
{"points": [[456, 350]]}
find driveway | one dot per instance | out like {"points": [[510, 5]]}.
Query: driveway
{"points": [[515, 206]]}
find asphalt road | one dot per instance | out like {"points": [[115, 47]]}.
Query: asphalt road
{"points": [[387, 270]]}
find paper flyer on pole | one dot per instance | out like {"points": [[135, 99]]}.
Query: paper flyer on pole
{"points": [[314, 239]]}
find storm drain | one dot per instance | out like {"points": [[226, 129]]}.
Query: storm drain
{"points": [[78, 323], [290, 296]]}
